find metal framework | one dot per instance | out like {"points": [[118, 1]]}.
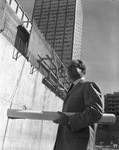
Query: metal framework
{"points": [[16, 54]]}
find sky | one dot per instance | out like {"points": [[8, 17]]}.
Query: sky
{"points": [[100, 41]]}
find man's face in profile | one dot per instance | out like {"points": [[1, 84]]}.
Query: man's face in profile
{"points": [[74, 72]]}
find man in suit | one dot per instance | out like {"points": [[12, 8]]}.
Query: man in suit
{"points": [[77, 132]]}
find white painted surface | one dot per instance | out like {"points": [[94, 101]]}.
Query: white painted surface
{"points": [[18, 88]]}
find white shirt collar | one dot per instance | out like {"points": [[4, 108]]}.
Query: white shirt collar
{"points": [[79, 80]]}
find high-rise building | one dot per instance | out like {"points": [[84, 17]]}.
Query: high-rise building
{"points": [[112, 103], [61, 21], [108, 133]]}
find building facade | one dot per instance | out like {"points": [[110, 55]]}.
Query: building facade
{"points": [[61, 21], [112, 103], [110, 133]]}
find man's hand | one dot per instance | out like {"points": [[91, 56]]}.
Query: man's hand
{"points": [[62, 120]]}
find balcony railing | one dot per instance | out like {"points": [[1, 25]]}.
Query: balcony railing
{"points": [[20, 13]]}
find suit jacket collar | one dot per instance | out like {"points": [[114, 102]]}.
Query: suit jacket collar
{"points": [[79, 80], [74, 88]]}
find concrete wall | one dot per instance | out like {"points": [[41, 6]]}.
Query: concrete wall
{"points": [[20, 89]]}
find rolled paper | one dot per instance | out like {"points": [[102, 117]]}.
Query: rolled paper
{"points": [[49, 115]]}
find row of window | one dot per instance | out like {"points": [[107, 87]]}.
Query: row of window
{"points": [[59, 29], [55, 6], [56, 2], [50, 25], [59, 16]]}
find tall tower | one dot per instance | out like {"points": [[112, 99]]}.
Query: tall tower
{"points": [[61, 23]]}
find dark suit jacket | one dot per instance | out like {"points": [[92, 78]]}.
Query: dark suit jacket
{"points": [[84, 99]]}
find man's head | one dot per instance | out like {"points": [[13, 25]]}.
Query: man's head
{"points": [[76, 69]]}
